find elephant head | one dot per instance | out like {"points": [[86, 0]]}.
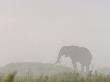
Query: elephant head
{"points": [[63, 52]]}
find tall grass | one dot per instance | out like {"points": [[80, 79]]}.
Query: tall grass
{"points": [[61, 77], [8, 77]]}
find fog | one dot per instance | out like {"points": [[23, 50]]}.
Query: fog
{"points": [[35, 30]]}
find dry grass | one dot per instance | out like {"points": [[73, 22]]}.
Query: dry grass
{"points": [[61, 77]]}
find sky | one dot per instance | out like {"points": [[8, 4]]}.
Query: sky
{"points": [[35, 30]]}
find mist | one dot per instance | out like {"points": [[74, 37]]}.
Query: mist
{"points": [[34, 31]]}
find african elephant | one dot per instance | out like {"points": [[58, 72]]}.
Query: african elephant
{"points": [[77, 54]]}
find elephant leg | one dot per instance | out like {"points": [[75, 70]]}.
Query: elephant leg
{"points": [[87, 68], [75, 66], [82, 68]]}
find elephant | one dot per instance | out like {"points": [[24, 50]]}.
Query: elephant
{"points": [[77, 54]]}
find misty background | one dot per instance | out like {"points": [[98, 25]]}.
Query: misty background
{"points": [[35, 30]]}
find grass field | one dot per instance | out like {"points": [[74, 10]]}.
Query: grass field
{"points": [[38, 72], [61, 77]]}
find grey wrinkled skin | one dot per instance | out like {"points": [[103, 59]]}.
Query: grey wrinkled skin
{"points": [[77, 54]]}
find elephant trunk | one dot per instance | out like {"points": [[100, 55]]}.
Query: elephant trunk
{"points": [[59, 57]]}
